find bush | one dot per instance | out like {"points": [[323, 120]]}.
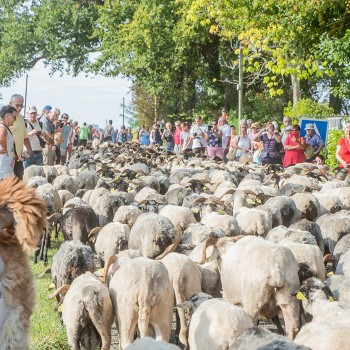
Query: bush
{"points": [[330, 149]]}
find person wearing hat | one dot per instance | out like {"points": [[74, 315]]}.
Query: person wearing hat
{"points": [[36, 136], [313, 140], [254, 129]]}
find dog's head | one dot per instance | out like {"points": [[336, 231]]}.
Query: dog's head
{"points": [[22, 214]]}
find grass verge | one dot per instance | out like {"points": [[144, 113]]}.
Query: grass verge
{"points": [[47, 331]]}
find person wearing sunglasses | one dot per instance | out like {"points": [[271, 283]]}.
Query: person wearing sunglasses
{"points": [[294, 147], [213, 137], [20, 135], [7, 157]]}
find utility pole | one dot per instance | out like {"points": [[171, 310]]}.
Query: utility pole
{"points": [[240, 85], [25, 97], [123, 109]]}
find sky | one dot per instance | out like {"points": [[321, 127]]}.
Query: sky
{"points": [[92, 99]]}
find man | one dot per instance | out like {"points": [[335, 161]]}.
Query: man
{"points": [[48, 122], [314, 141], [197, 134], [66, 130], [44, 112], [226, 134], [20, 135], [287, 121], [84, 135], [36, 135], [108, 131]]}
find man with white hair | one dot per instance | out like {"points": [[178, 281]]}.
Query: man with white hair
{"points": [[20, 135], [49, 120], [36, 135]]}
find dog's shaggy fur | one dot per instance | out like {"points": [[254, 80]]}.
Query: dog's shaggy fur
{"points": [[22, 222]]}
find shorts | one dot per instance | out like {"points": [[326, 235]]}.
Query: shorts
{"points": [[215, 152]]}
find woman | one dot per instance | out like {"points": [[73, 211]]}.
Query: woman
{"points": [[294, 146], [271, 145], [144, 136], [122, 136], [214, 141], [177, 134], [343, 148], [242, 143], [168, 136], [7, 156]]}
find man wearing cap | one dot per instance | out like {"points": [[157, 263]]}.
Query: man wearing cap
{"points": [[314, 140], [20, 135], [44, 112], [36, 135]]}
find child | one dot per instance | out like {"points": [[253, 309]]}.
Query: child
{"points": [[58, 139], [185, 141], [257, 146], [49, 155]]}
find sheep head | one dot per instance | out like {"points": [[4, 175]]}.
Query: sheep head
{"points": [[22, 214]]}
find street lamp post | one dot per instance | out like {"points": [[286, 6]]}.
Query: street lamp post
{"points": [[240, 85], [123, 110]]}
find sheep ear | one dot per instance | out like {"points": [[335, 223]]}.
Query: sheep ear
{"points": [[187, 306]]}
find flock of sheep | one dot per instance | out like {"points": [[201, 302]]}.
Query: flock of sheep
{"points": [[224, 245]]}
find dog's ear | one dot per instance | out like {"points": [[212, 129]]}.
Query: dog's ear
{"points": [[28, 211]]}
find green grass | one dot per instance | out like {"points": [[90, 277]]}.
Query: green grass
{"points": [[47, 331]]}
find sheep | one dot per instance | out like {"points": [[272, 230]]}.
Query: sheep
{"points": [[340, 287], [36, 181], [111, 239], [87, 180], [180, 217], [176, 194], [185, 277], [65, 196], [197, 233], [50, 173], [151, 344], [66, 182], [342, 246], [91, 196], [258, 338], [127, 214], [343, 266], [77, 223], [333, 227], [87, 313], [311, 227], [51, 191], [226, 222], [72, 260], [330, 325], [31, 171], [215, 323], [260, 276], [307, 205], [328, 203], [142, 294], [152, 234], [23, 220]]}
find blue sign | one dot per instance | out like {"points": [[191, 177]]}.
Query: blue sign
{"points": [[320, 125]]}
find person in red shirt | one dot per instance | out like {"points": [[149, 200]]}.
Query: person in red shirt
{"points": [[343, 148], [294, 146], [176, 136]]}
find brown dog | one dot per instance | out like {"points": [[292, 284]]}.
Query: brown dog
{"points": [[22, 222]]}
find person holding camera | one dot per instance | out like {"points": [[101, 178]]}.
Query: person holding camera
{"points": [[197, 134], [214, 141], [64, 128], [294, 146], [168, 136], [36, 136], [271, 140]]}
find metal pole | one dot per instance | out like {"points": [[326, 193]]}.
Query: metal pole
{"points": [[240, 85], [123, 109], [25, 97]]}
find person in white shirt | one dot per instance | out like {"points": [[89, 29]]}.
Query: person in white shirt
{"points": [[36, 135], [197, 134], [226, 134]]}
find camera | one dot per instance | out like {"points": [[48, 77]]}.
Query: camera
{"points": [[38, 132]]}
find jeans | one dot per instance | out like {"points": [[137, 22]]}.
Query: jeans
{"points": [[35, 159]]}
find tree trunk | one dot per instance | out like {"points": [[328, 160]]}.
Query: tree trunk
{"points": [[335, 101], [296, 89]]}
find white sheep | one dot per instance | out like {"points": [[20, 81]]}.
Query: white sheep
{"points": [[142, 295], [215, 323], [87, 313], [185, 277], [260, 276], [151, 344]]}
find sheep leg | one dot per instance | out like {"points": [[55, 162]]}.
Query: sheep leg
{"points": [[180, 298], [127, 324], [42, 245], [291, 313], [98, 321], [277, 323], [46, 248]]}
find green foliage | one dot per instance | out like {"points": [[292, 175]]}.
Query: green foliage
{"points": [[47, 331], [308, 107], [329, 151]]}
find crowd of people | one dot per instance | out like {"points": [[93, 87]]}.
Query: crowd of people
{"points": [[48, 138], [253, 142]]}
